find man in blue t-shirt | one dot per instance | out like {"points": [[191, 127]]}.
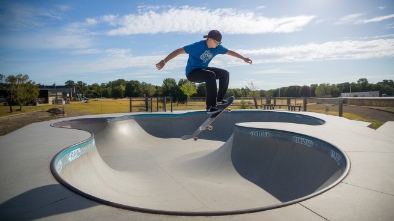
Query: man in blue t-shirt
{"points": [[197, 70]]}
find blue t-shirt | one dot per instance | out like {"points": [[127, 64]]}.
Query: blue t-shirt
{"points": [[200, 55]]}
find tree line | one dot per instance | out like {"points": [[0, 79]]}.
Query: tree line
{"points": [[182, 89], [22, 91]]}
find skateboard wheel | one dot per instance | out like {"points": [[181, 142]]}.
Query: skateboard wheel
{"points": [[210, 128], [195, 138]]}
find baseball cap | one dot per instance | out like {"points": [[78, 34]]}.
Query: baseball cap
{"points": [[214, 34]]}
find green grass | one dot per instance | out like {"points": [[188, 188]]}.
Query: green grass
{"points": [[5, 110], [333, 110], [107, 106], [93, 107]]}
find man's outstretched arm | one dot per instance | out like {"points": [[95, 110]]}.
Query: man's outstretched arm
{"points": [[235, 54], [172, 55]]}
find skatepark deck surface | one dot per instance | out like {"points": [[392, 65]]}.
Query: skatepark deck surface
{"points": [[254, 165]]}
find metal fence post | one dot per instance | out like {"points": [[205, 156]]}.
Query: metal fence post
{"points": [[340, 104], [165, 104], [151, 104], [157, 104], [131, 104], [305, 103], [261, 102], [146, 104]]}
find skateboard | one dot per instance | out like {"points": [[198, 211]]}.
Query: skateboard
{"points": [[207, 124]]}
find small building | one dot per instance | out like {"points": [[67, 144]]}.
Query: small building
{"points": [[56, 94], [361, 94]]}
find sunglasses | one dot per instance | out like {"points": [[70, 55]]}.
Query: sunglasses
{"points": [[217, 42]]}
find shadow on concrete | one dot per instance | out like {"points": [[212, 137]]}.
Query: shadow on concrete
{"points": [[41, 202], [286, 170]]}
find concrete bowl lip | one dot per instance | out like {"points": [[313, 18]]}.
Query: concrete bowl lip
{"points": [[186, 213]]}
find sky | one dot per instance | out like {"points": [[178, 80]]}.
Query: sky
{"points": [[291, 42]]}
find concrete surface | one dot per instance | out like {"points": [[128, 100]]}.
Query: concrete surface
{"points": [[226, 170]]}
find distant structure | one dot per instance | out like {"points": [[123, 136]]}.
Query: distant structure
{"points": [[361, 94], [55, 94]]}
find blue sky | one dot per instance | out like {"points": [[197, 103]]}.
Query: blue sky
{"points": [[291, 42]]}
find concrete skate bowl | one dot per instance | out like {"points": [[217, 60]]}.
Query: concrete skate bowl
{"points": [[138, 162]]}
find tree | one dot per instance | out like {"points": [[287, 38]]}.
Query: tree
{"points": [[118, 82], [270, 93], [355, 87], [344, 87], [107, 92], [169, 87], [201, 90], [118, 91], [253, 92], [11, 90], [69, 83], [327, 89], [313, 90], [148, 89], [188, 88], [81, 88], [14, 83], [236, 92], [182, 97], [134, 89], [229, 93], [323, 90], [94, 90], [335, 92], [27, 92], [293, 91], [19, 90], [305, 91], [386, 87], [364, 85]]}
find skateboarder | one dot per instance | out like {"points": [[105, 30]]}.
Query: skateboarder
{"points": [[197, 70]]}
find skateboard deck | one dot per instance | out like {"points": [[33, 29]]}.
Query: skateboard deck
{"points": [[207, 124]]}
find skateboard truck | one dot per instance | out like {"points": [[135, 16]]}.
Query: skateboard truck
{"points": [[207, 124]]}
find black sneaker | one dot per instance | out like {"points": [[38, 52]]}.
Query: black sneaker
{"points": [[222, 103], [213, 110]]}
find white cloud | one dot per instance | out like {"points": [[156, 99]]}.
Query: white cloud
{"points": [[352, 18], [91, 21], [356, 19], [88, 51], [389, 26], [110, 19], [333, 50], [117, 58], [81, 28], [196, 20], [17, 16], [46, 40], [276, 71], [378, 19]]}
